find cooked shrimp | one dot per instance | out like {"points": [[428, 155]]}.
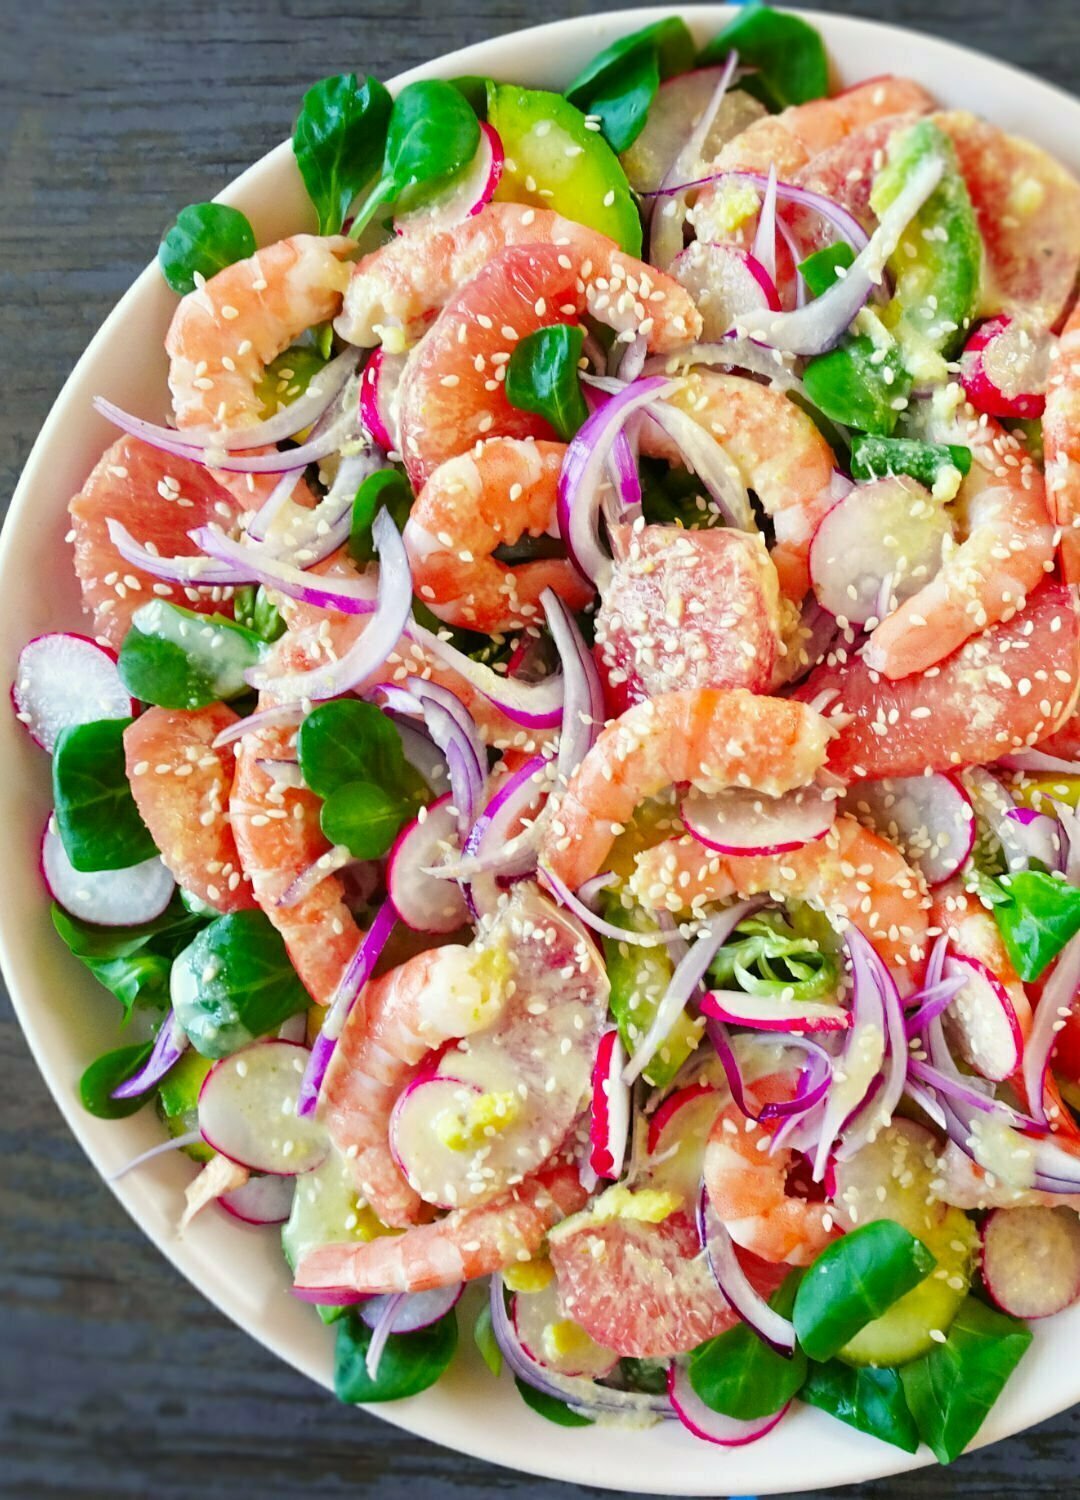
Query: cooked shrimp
{"points": [[225, 333], [278, 837], [778, 452], [712, 738], [467, 1243], [1007, 546], [748, 1187], [1061, 439], [852, 874], [473, 504], [394, 290], [436, 997]]}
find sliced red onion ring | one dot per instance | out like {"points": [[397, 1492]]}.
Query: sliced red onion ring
{"points": [[764, 247], [357, 973], [327, 864], [666, 219], [193, 569], [1037, 763], [621, 462], [562, 893], [582, 473], [169, 1046], [578, 1392], [453, 730], [533, 705], [403, 1312], [705, 457], [846, 225], [1053, 1010], [174, 1143], [927, 1102], [366, 657], [796, 254], [933, 1000], [881, 1100], [769, 1325], [583, 696], [689, 972], [814, 1077], [263, 718], [278, 498], [731, 353], [490, 849], [821, 324], [347, 595], [864, 1051]]}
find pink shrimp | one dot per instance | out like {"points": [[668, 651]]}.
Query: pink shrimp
{"points": [[395, 289], [778, 452], [467, 1243], [490, 497], [277, 833], [748, 1187], [1061, 436], [224, 334], [712, 738], [852, 874], [1007, 546]]}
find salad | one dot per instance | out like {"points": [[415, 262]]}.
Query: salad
{"points": [[573, 782]]}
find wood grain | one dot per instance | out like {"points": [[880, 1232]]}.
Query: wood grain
{"points": [[116, 1378]]}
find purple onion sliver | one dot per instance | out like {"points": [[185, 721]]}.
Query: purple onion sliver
{"points": [[769, 1325], [1055, 1005], [164, 439], [169, 1046], [262, 566], [192, 569], [536, 705]]}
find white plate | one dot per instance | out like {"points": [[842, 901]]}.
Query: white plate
{"points": [[68, 1019]]}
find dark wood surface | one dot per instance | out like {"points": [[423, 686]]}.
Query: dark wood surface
{"points": [[116, 1378]]}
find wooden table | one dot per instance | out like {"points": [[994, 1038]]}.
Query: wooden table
{"points": [[116, 1378]]}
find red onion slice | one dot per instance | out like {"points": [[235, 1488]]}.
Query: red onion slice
{"points": [[562, 893], [1053, 1010], [195, 569], [349, 596], [763, 249], [769, 1325], [536, 705], [583, 696], [263, 718], [846, 225], [706, 458], [667, 218], [169, 1046]]}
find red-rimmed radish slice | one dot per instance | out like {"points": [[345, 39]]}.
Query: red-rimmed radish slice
{"points": [[929, 818], [62, 680], [1031, 1260], [766, 1013], [549, 1336], [414, 1310], [726, 283], [470, 190], [1037, 836], [610, 1121], [678, 1132], [1004, 368], [294, 1030], [432, 1116], [378, 392], [261, 1200], [108, 898], [741, 821], [678, 106], [710, 1425], [877, 547], [247, 1110], [425, 902], [981, 1023]]}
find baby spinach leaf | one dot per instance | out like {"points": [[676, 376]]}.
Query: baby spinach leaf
{"points": [[96, 816], [867, 1398], [1036, 914], [485, 1340], [855, 386], [542, 376], [234, 983], [387, 489], [875, 457], [205, 239], [365, 818], [348, 740], [787, 52], [740, 1376], [433, 133], [132, 962], [410, 1363], [178, 658], [819, 270], [549, 1407], [619, 85], [338, 143], [474, 88], [853, 1281], [109, 1072], [950, 1390], [254, 611]]}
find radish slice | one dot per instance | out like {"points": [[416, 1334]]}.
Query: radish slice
{"points": [[471, 190], [1031, 1260], [711, 1425], [726, 283], [540, 1318], [261, 1200], [678, 1132], [247, 1110], [679, 104], [430, 1116], [108, 898], [741, 821], [415, 1310], [610, 1122], [424, 902], [877, 547], [1005, 366], [62, 680], [765, 1013], [378, 397], [294, 1030], [981, 1023], [1039, 836], [929, 818]]}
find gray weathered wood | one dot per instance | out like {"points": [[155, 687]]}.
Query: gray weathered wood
{"points": [[116, 1378]]}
